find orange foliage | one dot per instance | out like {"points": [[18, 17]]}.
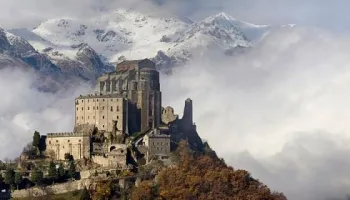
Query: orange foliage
{"points": [[205, 177]]}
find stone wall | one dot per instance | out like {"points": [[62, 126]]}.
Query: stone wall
{"points": [[103, 111], [76, 144], [55, 189]]}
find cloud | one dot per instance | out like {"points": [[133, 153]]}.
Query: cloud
{"points": [[279, 111], [25, 109]]}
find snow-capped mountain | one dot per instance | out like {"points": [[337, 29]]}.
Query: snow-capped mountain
{"points": [[73, 61], [133, 35], [85, 48]]}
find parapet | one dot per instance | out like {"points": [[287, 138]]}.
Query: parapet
{"points": [[67, 134], [96, 96]]}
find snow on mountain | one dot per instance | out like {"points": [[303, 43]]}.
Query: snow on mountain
{"points": [[74, 60], [121, 32], [133, 35]]}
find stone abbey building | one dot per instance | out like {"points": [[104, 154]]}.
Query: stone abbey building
{"points": [[123, 118]]}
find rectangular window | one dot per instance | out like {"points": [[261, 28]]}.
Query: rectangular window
{"points": [[93, 108], [82, 108], [88, 108], [112, 108], [97, 108], [103, 117]]}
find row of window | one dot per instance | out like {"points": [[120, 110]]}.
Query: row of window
{"points": [[159, 143], [57, 141], [102, 108], [93, 100], [93, 117]]}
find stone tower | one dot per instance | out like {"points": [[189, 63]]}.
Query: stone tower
{"points": [[187, 119], [138, 81]]}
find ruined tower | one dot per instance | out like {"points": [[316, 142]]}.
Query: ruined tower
{"points": [[187, 119]]}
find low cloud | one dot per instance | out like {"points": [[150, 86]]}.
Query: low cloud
{"points": [[279, 111], [25, 109]]}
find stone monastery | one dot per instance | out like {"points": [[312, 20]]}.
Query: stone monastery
{"points": [[123, 121]]}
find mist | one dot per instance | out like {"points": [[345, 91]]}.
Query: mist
{"points": [[279, 111], [25, 109]]}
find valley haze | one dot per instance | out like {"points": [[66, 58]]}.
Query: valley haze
{"points": [[277, 109]]}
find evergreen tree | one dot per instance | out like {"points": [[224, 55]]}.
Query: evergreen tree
{"points": [[36, 141], [18, 179], [61, 172], [84, 195], [37, 176], [72, 171], [52, 172], [9, 178]]}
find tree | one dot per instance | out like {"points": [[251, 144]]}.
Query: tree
{"points": [[61, 172], [37, 176], [72, 171], [36, 141], [52, 172], [18, 179], [9, 178], [84, 195]]}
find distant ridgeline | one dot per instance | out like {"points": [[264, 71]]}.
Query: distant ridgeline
{"points": [[123, 122]]}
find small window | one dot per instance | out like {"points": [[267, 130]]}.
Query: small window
{"points": [[82, 117], [82, 108], [62, 147], [97, 100], [88, 108], [93, 108], [93, 117], [77, 108], [103, 107], [112, 108], [111, 99], [49, 142], [97, 108], [88, 117], [103, 117], [79, 140], [88, 100], [56, 140], [103, 99], [117, 108], [77, 117], [82, 101], [117, 116], [103, 126], [68, 140]]}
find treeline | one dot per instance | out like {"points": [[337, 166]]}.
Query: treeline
{"points": [[203, 176]]}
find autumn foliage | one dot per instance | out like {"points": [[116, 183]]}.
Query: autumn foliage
{"points": [[203, 176]]}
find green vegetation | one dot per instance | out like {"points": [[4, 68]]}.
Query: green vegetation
{"points": [[36, 142], [9, 178], [18, 179], [37, 176]]}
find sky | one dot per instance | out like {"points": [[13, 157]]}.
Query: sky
{"points": [[280, 110]]}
